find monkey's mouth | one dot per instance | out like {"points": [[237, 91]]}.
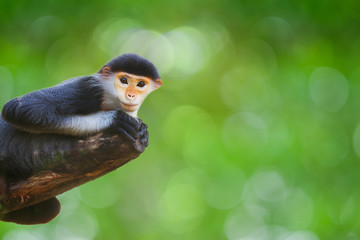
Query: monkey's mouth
{"points": [[129, 107]]}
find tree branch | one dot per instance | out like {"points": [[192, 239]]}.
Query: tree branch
{"points": [[70, 163]]}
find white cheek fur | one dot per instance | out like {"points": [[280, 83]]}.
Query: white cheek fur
{"points": [[109, 85]]}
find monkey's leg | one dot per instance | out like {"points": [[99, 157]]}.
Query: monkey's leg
{"points": [[39, 213]]}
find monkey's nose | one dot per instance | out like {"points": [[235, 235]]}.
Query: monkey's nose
{"points": [[131, 95]]}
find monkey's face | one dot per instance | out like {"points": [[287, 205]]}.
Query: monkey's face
{"points": [[132, 89]]}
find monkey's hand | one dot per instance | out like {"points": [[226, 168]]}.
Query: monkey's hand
{"points": [[144, 134], [131, 127]]}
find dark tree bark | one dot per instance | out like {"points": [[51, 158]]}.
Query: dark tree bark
{"points": [[70, 163]]}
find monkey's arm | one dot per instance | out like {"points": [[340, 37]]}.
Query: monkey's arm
{"points": [[71, 108]]}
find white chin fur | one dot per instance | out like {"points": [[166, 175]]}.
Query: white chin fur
{"points": [[133, 114]]}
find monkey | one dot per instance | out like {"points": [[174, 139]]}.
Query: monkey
{"points": [[108, 100]]}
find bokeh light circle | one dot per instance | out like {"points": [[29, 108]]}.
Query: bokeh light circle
{"points": [[112, 33], [328, 88], [188, 44], [247, 87], [269, 186], [72, 226], [224, 188], [198, 123], [356, 140], [276, 31], [215, 34], [181, 51], [325, 143], [98, 194], [303, 235], [182, 206], [19, 235], [290, 215], [245, 133], [46, 30], [241, 224]]}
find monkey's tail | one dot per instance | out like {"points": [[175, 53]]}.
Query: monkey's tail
{"points": [[39, 213]]}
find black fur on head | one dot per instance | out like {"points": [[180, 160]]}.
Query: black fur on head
{"points": [[134, 64]]}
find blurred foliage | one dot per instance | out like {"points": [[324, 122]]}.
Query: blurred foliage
{"points": [[255, 133]]}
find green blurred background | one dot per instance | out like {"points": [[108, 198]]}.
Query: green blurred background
{"points": [[255, 133]]}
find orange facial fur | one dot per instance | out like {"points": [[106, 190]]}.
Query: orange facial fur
{"points": [[132, 90]]}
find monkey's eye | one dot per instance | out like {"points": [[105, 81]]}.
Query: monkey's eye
{"points": [[141, 84], [123, 80]]}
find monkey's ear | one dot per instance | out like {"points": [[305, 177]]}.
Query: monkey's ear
{"points": [[157, 83], [105, 71]]}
